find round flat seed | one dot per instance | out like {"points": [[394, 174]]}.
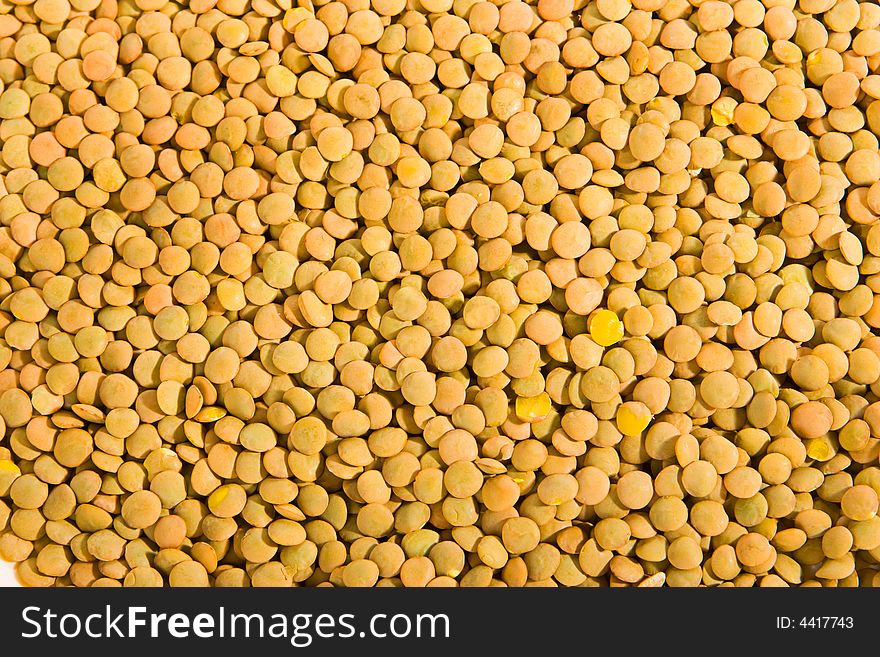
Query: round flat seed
{"points": [[605, 328]]}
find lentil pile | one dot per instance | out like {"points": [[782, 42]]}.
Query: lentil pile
{"points": [[440, 292]]}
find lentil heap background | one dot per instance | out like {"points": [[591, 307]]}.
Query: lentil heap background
{"points": [[440, 292]]}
